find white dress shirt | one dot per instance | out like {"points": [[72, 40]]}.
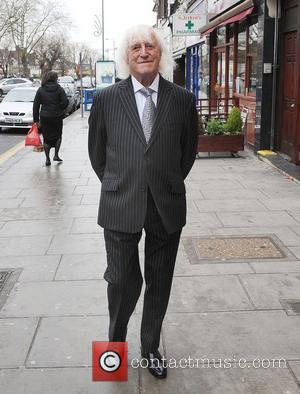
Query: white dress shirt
{"points": [[140, 98]]}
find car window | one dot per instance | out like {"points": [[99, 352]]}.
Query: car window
{"points": [[20, 95], [20, 81], [10, 82]]}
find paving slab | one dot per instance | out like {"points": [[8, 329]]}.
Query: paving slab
{"points": [[296, 251], [86, 226], [36, 227], [295, 367], [249, 219], [229, 205], [276, 267], [24, 246], [86, 190], [62, 381], [243, 335], [266, 290], [34, 268], [67, 341], [81, 267], [184, 268], [10, 202], [229, 194], [69, 298], [90, 199], [42, 201], [77, 243], [210, 293], [51, 212], [219, 381], [10, 192], [15, 339]]}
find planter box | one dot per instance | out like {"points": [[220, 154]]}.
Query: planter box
{"points": [[220, 143]]}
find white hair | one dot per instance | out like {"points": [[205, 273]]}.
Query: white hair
{"points": [[144, 33]]}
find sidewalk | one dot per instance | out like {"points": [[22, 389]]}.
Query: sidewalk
{"points": [[224, 305]]}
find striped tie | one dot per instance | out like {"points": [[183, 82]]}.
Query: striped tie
{"points": [[148, 112]]}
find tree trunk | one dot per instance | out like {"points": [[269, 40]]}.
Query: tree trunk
{"points": [[24, 61]]}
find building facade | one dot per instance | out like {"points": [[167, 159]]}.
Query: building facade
{"points": [[247, 54]]}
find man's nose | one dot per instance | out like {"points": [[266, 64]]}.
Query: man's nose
{"points": [[143, 50]]}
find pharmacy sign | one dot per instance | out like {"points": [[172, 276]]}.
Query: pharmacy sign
{"points": [[188, 24]]}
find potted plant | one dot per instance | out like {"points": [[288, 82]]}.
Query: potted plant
{"points": [[223, 136]]}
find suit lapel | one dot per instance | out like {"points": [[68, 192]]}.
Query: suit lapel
{"points": [[163, 103], [129, 104]]}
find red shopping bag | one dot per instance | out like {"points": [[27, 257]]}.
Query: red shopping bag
{"points": [[33, 137]]}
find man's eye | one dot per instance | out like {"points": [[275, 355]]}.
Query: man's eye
{"points": [[135, 47], [150, 46]]}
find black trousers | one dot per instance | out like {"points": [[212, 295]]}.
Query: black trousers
{"points": [[124, 277]]}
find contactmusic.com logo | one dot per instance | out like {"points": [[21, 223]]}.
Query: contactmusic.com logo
{"points": [[110, 361]]}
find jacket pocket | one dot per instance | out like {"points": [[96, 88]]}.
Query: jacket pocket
{"points": [[110, 185], [177, 186]]}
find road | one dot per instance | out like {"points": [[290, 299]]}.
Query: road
{"points": [[10, 137]]}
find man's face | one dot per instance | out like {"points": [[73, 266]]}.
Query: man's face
{"points": [[143, 59]]}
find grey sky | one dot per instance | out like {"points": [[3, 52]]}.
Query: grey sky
{"points": [[119, 15]]}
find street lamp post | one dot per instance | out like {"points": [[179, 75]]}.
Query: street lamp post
{"points": [[99, 26], [102, 29]]}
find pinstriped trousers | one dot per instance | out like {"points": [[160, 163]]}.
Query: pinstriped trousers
{"points": [[125, 280]]}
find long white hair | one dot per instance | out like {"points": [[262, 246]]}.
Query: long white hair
{"points": [[144, 33]]}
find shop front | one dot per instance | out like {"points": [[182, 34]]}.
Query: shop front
{"points": [[233, 37], [288, 94]]}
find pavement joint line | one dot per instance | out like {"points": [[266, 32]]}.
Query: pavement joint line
{"points": [[58, 265], [246, 291], [236, 311], [33, 339]]}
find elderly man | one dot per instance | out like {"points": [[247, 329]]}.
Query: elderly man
{"points": [[142, 145]]}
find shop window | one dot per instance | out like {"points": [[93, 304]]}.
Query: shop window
{"points": [[241, 61], [204, 71], [221, 36], [252, 58]]}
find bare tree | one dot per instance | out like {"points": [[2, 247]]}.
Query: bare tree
{"points": [[48, 51], [9, 16], [36, 18], [6, 56]]}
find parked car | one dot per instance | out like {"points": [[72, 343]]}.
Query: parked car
{"points": [[66, 79], [16, 108], [72, 106], [10, 83], [86, 83]]}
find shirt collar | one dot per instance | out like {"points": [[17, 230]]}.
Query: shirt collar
{"points": [[138, 86]]}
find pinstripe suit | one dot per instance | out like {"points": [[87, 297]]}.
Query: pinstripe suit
{"points": [[142, 187]]}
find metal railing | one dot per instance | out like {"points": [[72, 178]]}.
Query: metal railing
{"points": [[214, 107]]}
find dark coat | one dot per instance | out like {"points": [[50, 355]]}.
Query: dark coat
{"points": [[53, 100], [126, 165]]}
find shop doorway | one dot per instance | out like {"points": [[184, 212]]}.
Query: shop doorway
{"points": [[288, 124]]}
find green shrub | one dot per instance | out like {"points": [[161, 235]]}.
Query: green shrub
{"points": [[234, 123], [215, 127]]}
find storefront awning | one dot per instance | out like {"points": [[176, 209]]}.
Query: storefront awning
{"points": [[236, 14]]}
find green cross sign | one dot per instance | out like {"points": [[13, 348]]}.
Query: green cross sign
{"points": [[189, 25]]}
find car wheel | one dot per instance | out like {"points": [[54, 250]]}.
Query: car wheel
{"points": [[1, 92]]}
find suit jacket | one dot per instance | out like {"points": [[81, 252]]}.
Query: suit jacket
{"points": [[126, 165]]}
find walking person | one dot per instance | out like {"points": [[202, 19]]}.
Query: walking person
{"points": [[49, 105], [142, 145]]}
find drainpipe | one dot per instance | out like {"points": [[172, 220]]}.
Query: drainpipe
{"points": [[275, 67]]}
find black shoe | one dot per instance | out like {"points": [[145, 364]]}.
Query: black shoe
{"points": [[156, 366], [48, 163], [56, 158]]}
